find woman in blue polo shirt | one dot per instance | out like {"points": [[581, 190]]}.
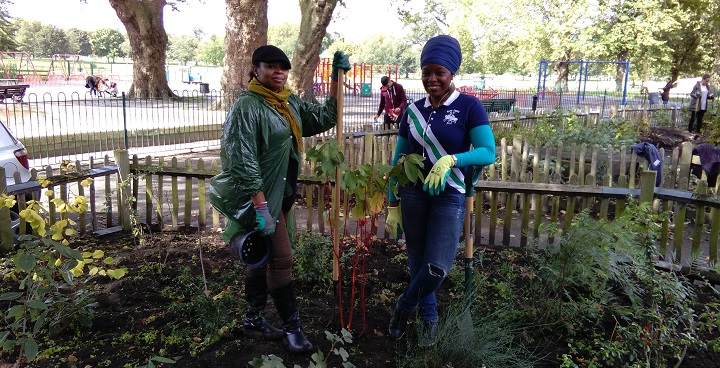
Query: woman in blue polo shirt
{"points": [[441, 127]]}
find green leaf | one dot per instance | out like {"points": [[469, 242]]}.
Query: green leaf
{"points": [[31, 349], [343, 354], [68, 252], [37, 304], [4, 336], [25, 261], [160, 359], [40, 322], [347, 336], [16, 311], [11, 295]]}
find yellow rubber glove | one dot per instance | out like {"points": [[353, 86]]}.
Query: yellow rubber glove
{"points": [[435, 181], [393, 221]]}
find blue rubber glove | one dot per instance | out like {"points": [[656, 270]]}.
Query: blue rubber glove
{"points": [[393, 222], [264, 220], [340, 61], [436, 179]]}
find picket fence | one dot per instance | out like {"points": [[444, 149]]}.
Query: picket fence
{"points": [[527, 187]]}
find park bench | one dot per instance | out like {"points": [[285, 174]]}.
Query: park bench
{"points": [[498, 104], [15, 91]]}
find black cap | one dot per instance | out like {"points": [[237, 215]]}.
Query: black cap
{"points": [[269, 54]]}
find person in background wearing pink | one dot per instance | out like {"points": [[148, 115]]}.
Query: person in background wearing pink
{"points": [[392, 100]]}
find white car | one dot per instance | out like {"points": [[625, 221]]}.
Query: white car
{"points": [[14, 159]]}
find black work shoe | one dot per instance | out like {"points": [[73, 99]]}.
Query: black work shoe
{"points": [[297, 342], [261, 328], [398, 324], [428, 334]]}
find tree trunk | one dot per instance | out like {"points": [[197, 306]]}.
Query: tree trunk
{"points": [[143, 21], [715, 75], [562, 68], [620, 71], [246, 30], [316, 15]]}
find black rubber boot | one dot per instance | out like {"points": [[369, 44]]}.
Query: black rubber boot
{"points": [[398, 322], [294, 337], [256, 293]]}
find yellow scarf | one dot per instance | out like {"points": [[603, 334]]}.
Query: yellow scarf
{"points": [[279, 101]]}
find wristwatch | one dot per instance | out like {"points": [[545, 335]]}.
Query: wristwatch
{"points": [[454, 160]]}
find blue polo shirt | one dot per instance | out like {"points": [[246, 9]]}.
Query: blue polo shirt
{"points": [[435, 133]]}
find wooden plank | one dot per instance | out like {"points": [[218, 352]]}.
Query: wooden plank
{"points": [[82, 221], [52, 211], [714, 232], [161, 194], [215, 213], [570, 208], [309, 205], [508, 218], [202, 196], [701, 189], [679, 232], [92, 201], [108, 195], [188, 196], [175, 196], [555, 205], [148, 193], [135, 186]]}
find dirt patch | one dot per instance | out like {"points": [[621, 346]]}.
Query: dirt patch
{"points": [[180, 303]]}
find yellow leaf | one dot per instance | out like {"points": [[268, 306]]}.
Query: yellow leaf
{"points": [[94, 271], [117, 273], [70, 232], [98, 254], [65, 242], [58, 262], [109, 260], [86, 255], [49, 193]]}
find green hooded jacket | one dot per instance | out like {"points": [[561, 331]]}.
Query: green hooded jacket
{"points": [[255, 151]]}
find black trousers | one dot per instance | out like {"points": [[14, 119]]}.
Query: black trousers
{"points": [[388, 122], [696, 116]]}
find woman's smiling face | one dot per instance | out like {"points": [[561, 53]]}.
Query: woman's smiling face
{"points": [[271, 75], [436, 79]]}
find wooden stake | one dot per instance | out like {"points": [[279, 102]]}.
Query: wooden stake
{"points": [[336, 188]]}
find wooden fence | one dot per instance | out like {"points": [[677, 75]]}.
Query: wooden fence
{"points": [[528, 186]]}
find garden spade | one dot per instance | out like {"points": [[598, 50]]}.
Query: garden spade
{"points": [[468, 226], [336, 190]]}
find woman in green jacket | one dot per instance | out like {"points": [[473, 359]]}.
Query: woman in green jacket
{"points": [[260, 153]]}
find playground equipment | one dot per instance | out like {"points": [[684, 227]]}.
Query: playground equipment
{"points": [[357, 79], [189, 77], [582, 76], [18, 66], [65, 67]]}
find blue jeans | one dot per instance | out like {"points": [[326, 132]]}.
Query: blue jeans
{"points": [[432, 226]]}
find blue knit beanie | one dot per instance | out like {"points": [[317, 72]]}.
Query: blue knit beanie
{"points": [[442, 50]]}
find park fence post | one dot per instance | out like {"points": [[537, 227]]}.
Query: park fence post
{"points": [[122, 160], [647, 186]]}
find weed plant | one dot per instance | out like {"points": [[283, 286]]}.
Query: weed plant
{"points": [[313, 259], [566, 127], [595, 291]]}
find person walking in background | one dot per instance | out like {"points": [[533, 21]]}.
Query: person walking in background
{"points": [[699, 97], [669, 84], [392, 100], [260, 151], [91, 82], [441, 127]]}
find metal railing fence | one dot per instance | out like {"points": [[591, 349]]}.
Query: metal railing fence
{"points": [[77, 126]]}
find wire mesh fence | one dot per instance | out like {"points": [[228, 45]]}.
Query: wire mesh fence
{"points": [[74, 126]]}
